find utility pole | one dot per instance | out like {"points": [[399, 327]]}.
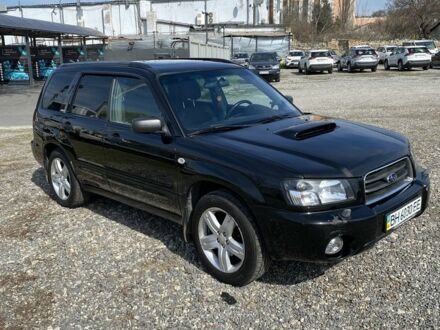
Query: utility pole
{"points": [[206, 21]]}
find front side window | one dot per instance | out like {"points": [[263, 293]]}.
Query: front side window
{"points": [[92, 96], [237, 97], [132, 99], [56, 93]]}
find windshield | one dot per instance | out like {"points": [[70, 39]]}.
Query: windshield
{"points": [[263, 57], [390, 49], [319, 54], [206, 99], [296, 53], [241, 55], [427, 44]]}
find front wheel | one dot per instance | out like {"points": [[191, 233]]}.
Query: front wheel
{"points": [[349, 68], [226, 239], [386, 65], [374, 69], [400, 66], [330, 71], [339, 67], [425, 68]]}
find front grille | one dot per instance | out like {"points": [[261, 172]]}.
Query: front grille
{"points": [[387, 180], [264, 67]]}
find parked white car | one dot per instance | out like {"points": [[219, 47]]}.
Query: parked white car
{"points": [[409, 57], [384, 51], [316, 60], [423, 43], [292, 60]]}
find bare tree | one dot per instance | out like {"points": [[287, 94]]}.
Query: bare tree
{"points": [[413, 17]]}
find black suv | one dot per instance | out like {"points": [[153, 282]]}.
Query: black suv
{"points": [[213, 147], [266, 64]]}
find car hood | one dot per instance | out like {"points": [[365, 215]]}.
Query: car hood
{"points": [[347, 150]]}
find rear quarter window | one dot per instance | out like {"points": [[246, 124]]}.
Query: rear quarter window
{"points": [[56, 94]]}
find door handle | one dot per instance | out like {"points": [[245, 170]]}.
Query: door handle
{"points": [[114, 137], [67, 126]]}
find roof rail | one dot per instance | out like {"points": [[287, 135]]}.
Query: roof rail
{"points": [[221, 60]]}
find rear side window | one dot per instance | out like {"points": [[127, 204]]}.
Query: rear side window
{"points": [[56, 94], [131, 99], [92, 96]]}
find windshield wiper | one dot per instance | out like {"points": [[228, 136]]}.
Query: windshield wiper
{"points": [[273, 118], [219, 128]]}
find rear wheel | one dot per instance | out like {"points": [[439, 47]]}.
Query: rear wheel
{"points": [[330, 70], [374, 69], [386, 65], [400, 66], [62, 181], [425, 68], [339, 67], [349, 68], [300, 70], [227, 240]]}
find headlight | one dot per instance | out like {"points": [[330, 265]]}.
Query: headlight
{"points": [[276, 66], [303, 192], [251, 67]]}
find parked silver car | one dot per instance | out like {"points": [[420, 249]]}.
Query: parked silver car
{"points": [[384, 51], [359, 58], [293, 58], [409, 57], [241, 59]]}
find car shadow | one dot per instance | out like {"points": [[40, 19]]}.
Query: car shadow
{"points": [[170, 233]]}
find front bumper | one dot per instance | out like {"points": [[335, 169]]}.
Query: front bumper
{"points": [[299, 236], [292, 64], [267, 72]]}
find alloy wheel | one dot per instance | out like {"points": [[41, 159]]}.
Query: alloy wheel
{"points": [[221, 240], [60, 178]]}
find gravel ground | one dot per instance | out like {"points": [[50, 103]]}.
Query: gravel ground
{"points": [[107, 265]]}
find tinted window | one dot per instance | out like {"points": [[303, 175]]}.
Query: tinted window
{"points": [[319, 54], [365, 52], [416, 50], [56, 94], [92, 96], [296, 53], [132, 99]]}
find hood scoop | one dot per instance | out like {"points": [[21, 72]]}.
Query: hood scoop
{"points": [[307, 130]]}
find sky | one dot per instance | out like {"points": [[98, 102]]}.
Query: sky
{"points": [[364, 7]]}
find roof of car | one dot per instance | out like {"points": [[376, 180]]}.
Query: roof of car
{"points": [[159, 66], [318, 50]]}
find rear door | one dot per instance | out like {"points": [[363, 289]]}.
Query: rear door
{"points": [[140, 166], [85, 125]]}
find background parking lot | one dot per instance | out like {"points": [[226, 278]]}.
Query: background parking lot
{"points": [[108, 265]]}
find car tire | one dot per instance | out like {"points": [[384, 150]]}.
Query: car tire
{"points": [[349, 68], [386, 66], [300, 70], [340, 67], [374, 69], [63, 183], [330, 71], [425, 68], [235, 255], [400, 66], [277, 79], [306, 69]]}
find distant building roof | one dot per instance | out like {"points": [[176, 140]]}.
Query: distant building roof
{"points": [[11, 25]]}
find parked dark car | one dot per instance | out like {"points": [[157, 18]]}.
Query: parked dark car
{"points": [[218, 150], [435, 60], [241, 58], [266, 65]]}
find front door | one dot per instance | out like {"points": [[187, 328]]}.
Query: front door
{"points": [[139, 166]]}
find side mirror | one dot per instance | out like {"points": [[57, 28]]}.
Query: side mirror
{"points": [[147, 125], [289, 98]]}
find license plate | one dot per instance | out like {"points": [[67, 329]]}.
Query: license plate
{"points": [[264, 72], [406, 212]]}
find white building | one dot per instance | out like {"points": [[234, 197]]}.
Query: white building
{"points": [[129, 17]]}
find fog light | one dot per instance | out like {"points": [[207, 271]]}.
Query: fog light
{"points": [[334, 246]]}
